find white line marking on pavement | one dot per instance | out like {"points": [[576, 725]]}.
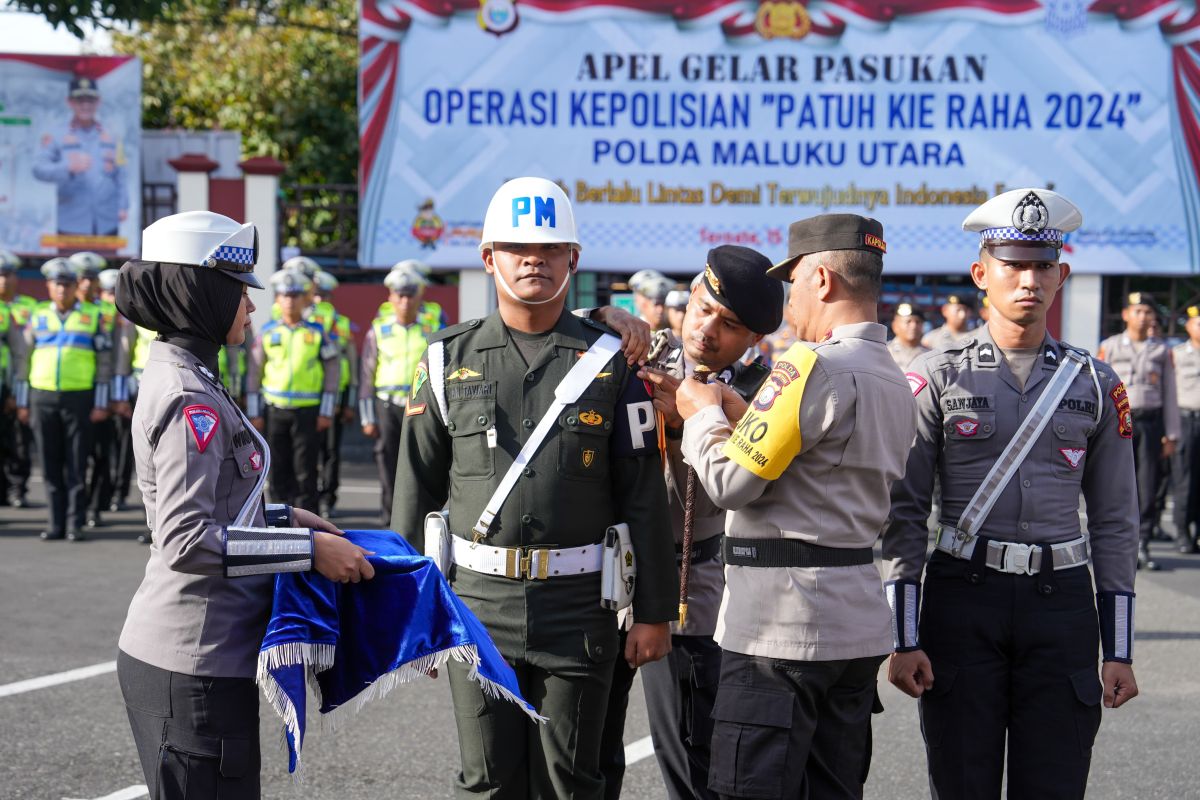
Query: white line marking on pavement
{"points": [[128, 793], [57, 678], [636, 751]]}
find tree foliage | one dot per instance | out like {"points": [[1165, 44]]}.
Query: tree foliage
{"points": [[284, 74]]}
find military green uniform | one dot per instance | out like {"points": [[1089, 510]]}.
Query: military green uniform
{"points": [[598, 466]]}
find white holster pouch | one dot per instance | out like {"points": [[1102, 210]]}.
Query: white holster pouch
{"points": [[437, 541], [618, 569]]}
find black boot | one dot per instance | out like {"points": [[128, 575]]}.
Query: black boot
{"points": [[1144, 560]]}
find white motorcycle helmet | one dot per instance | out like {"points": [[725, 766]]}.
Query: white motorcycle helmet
{"points": [[530, 211]]}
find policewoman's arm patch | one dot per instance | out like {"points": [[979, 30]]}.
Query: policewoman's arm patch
{"points": [[767, 437]]}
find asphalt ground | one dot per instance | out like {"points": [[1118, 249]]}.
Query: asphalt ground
{"points": [[63, 606]]}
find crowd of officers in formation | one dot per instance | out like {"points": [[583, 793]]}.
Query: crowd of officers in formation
{"points": [[761, 621], [70, 369]]}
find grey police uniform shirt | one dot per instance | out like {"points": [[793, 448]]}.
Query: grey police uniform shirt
{"points": [[856, 423], [88, 201], [1187, 376], [969, 406], [706, 579], [903, 354], [1149, 375], [943, 338], [187, 616]]}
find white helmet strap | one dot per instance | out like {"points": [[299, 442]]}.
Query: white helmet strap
{"points": [[561, 287]]}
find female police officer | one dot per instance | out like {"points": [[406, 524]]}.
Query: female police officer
{"points": [[189, 646]]}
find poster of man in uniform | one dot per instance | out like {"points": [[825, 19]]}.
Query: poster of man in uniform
{"points": [[678, 125], [70, 142]]}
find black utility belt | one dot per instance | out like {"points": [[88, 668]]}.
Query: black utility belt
{"points": [[705, 550], [791, 553]]}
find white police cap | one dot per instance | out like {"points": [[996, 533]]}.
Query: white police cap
{"points": [[290, 281], [324, 282], [419, 267], [303, 264], [643, 275], [655, 288], [9, 262], [59, 270], [204, 239], [87, 264], [403, 280], [108, 279], [1025, 224], [677, 299]]}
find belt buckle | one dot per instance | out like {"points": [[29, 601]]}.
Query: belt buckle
{"points": [[960, 541], [1018, 558], [525, 565]]}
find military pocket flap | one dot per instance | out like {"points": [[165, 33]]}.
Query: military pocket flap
{"points": [[470, 418], [968, 427], [1087, 686], [943, 679], [754, 707], [235, 757], [249, 461], [587, 419]]}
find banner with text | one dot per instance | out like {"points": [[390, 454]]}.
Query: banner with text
{"points": [[676, 126], [70, 154]]}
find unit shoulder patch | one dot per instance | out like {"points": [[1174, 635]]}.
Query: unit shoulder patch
{"points": [[203, 421], [1120, 400], [767, 437], [915, 382]]}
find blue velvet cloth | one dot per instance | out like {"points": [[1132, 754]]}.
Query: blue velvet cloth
{"points": [[353, 642]]}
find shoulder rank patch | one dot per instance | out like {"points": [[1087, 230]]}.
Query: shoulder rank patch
{"points": [[463, 374], [767, 437], [419, 378], [915, 382], [1120, 400], [1074, 456], [203, 421], [414, 409]]}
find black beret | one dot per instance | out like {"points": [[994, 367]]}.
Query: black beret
{"points": [[737, 278], [1140, 299], [827, 232]]}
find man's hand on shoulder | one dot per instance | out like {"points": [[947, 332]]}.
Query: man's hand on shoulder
{"points": [[634, 332]]}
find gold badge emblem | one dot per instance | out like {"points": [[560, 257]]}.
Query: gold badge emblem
{"points": [[711, 277], [589, 457], [786, 19], [463, 373], [628, 559], [590, 418]]}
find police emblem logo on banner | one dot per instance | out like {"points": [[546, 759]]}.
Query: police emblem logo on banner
{"points": [[203, 421]]}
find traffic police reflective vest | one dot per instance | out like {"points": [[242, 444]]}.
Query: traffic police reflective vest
{"points": [[141, 349], [64, 354], [430, 317], [292, 369], [400, 348], [22, 307], [6, 321], [232, 379]]}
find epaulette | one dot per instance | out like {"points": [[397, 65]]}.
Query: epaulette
{"points": [[271, 323], [453, 330], [597, 324], [316, 326]]}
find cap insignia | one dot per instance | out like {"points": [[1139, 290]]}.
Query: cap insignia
{"points": [[1030, 216]]}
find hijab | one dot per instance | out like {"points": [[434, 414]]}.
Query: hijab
{"points": [[190, 307]]}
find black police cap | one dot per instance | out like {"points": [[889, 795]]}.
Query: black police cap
{"points": [[83, 87], [827, 232], [737, 278]]}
